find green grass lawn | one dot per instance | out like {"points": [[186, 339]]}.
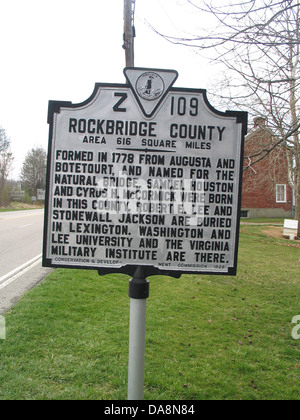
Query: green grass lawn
{"points": [[263, 220], [208, 337]]}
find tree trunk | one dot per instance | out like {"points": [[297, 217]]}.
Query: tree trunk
{"points": [[295, 123], [297, 193]]}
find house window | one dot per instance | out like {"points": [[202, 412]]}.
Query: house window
{"points": [[245, 214], [280, 193]]}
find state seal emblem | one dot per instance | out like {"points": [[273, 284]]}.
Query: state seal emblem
{"points": [[150, 86]]}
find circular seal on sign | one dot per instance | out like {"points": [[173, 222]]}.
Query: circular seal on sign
{"points": [[150, 86]]}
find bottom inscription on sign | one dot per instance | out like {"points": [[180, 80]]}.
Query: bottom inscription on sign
{"points": [[161, 192]]}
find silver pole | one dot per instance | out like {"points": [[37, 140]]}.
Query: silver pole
{"points": [[138, 293], [137, 349]]}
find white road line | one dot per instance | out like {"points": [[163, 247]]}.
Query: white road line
{"points": [[8, 216], [13, 275]]}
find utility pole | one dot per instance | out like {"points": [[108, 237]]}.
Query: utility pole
{"points": [[129, 31]]}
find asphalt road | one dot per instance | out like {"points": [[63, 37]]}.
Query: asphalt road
{"points": [[21, 239]]}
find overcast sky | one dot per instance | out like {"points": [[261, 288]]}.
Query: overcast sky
{"points": [[59, 49]]}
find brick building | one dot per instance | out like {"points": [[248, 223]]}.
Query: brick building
{"points": [[266, 188]]}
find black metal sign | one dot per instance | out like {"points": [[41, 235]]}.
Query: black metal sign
{"points": [[144, 174]]}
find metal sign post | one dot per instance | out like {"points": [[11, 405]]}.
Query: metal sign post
{"points": [[138, 293]]}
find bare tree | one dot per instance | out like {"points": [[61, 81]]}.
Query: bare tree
{"points": [[258, 43], [6, 160], [33, 173]]}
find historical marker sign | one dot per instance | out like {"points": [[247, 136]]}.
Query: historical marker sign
{"points": [[144, 174]]}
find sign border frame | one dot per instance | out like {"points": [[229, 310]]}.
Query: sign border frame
{"points": [[149, 270]]}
